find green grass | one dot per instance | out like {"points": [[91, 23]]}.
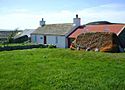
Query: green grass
{"points": [[61, 69]]}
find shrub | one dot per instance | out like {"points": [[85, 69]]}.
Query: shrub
{"points": [[51, 46]]}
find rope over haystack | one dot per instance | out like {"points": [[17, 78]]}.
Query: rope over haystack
{"points": [[97, 41]]}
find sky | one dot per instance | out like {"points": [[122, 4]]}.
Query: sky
{"points": [[26, 14]]}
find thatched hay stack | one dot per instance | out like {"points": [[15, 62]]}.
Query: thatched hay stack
{"points": [[98, 41]]}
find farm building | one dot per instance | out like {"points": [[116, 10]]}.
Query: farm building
{"points": [[4, 34], [23, 36], [118, 29], [55, 34]]}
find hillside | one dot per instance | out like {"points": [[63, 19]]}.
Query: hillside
{"points": [[61, 69]]}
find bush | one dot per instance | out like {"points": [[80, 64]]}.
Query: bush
{"points": [[43, 45], [8, 48], [51, 46]]}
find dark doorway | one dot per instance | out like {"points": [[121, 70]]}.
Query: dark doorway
{"points": [[44, 39]]}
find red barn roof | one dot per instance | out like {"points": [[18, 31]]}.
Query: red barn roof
{"points": [[116, 28]]}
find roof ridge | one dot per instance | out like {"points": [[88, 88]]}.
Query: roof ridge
{"points": [[59, 23]]}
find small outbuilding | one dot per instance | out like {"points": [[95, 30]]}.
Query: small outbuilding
{"points": [[23, 36]]}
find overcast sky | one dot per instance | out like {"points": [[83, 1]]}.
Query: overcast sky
{"points": [[27, 13]]}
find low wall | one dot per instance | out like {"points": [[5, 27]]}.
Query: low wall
{"points": [[9, 48]]}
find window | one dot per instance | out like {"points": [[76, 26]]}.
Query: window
{"points": [[56, 39], [35, 37], [41, 37]]}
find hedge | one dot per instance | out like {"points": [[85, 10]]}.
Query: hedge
{"points": [[9, 48]]}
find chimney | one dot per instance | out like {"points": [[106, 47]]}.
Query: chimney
{"points": [[76, 15], [42, 23], [77, 21]]}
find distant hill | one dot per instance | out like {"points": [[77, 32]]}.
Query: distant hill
{"points": [[101, 23]]}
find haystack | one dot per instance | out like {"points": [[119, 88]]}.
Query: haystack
{"points": [[97, 41]]}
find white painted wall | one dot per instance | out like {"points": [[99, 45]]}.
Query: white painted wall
{"points": [[40, 39], [59, 41], [33, 39], [66, 42], [37, 39], [62, 42], [51, 40]]}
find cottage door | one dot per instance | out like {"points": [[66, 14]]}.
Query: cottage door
{"points": [[44, 39]]}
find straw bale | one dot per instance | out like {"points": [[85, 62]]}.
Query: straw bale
{"points": [[97, 41]]}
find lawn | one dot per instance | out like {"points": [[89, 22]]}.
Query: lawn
{"points": [[61, 69]]}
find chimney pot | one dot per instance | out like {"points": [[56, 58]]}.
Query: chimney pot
{"points": [[76, 15]]}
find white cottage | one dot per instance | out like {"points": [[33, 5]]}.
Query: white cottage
{"points": [[54, 33]]}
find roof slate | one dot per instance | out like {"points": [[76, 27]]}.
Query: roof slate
{"points": [[25, 32], [54, 29]]}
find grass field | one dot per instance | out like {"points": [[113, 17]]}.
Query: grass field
{"points": [[61, 69]]}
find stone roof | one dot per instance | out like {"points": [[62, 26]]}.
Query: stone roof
{"points": [[54, 29], [24, 32]]}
